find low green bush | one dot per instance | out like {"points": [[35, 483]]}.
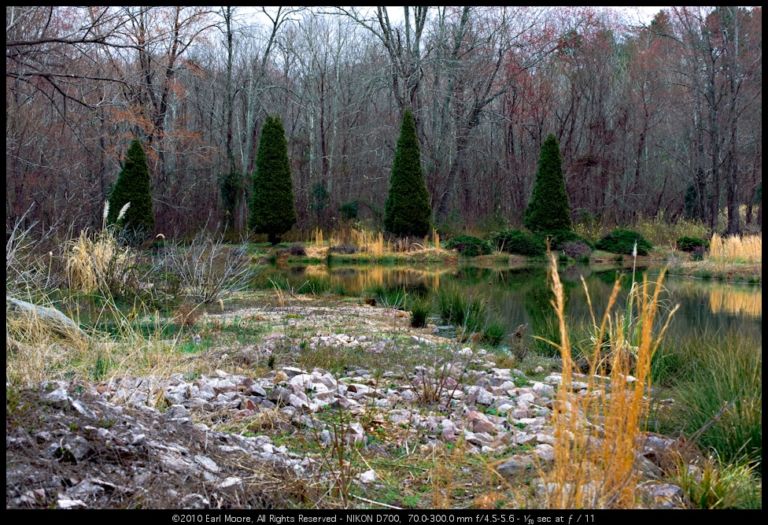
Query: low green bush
{"points": [[690, 244], [469, 246], [558, 239], [494, 333], [622, 241], [518, 242]]}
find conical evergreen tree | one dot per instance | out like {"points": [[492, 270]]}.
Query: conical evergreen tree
{"points": [[407, 210], [548, 209], [133, 186], [272, 208]]}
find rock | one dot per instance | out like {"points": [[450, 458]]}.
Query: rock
{"points": [[67, 503], [479, 439], [207, 463], [448, 431], [358, 389], [177, 412], [369, 476], [194, 501], [409, 396], [545, 452], [58, 398], [548, 439], [81, 409], [301, 382], [520, 413], [543, 389], [480, 395], [663, 495], [515, 466], [232, 482], [257, 390], [86, 488], [466, 351], [504, 408], [298, 401], [291, 371], [480, 423], [356, 433], [525, 399]]}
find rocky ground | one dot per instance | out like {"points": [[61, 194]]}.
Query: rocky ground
{"points": [[332, 406]]}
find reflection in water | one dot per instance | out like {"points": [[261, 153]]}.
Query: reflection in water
{"points": [[521, 296], [737, 302]]}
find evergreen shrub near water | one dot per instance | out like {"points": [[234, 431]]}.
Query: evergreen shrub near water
{"points": [[272, 208], [133, 186], [468, 246], [622, 242], [518, 242], [407, 210], [692, 244]]}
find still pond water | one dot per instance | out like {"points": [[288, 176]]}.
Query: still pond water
{"points": [[520, 296]]}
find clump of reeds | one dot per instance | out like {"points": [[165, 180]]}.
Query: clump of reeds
{"points": [[748, 248], [99, 262], [596, 433]]}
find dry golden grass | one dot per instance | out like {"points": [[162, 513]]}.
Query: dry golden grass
{"points": [[594, 465], [736, 249], [95, 263]]}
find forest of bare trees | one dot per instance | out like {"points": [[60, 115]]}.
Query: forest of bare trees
{"points": [[651, 120]]}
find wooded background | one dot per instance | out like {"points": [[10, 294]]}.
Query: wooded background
{"points": [[663, 118]]}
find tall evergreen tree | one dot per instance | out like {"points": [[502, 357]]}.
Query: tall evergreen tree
{"points": [[548, 209], [272, 208], [407, 210], [133, 186]]}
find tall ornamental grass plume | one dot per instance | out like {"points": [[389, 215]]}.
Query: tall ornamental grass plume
{"points": [[748, 248], [99, 262], [596, 434]]}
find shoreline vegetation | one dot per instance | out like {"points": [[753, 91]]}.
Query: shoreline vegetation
{"points": [[363, 395]]}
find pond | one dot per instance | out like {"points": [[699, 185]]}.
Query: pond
{"points": [[521, 296]]}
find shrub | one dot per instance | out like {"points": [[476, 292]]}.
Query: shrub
{"points": [[349, 210], [691, 244], [133, 185], [548, 209], [516, 241], [558, 238], [272, 209], [419, 312], [622, 242], [407, 210], [206, 267], [576, 250], [469, 246]]}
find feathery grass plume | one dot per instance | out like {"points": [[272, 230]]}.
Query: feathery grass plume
{"points": [[122, 211], [106, 214], [594, 469], [748, 248]]}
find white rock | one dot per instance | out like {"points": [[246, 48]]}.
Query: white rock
{"points": [[543, 389], [369, 476], [207, 463], [66, 503], [545, 452]]}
